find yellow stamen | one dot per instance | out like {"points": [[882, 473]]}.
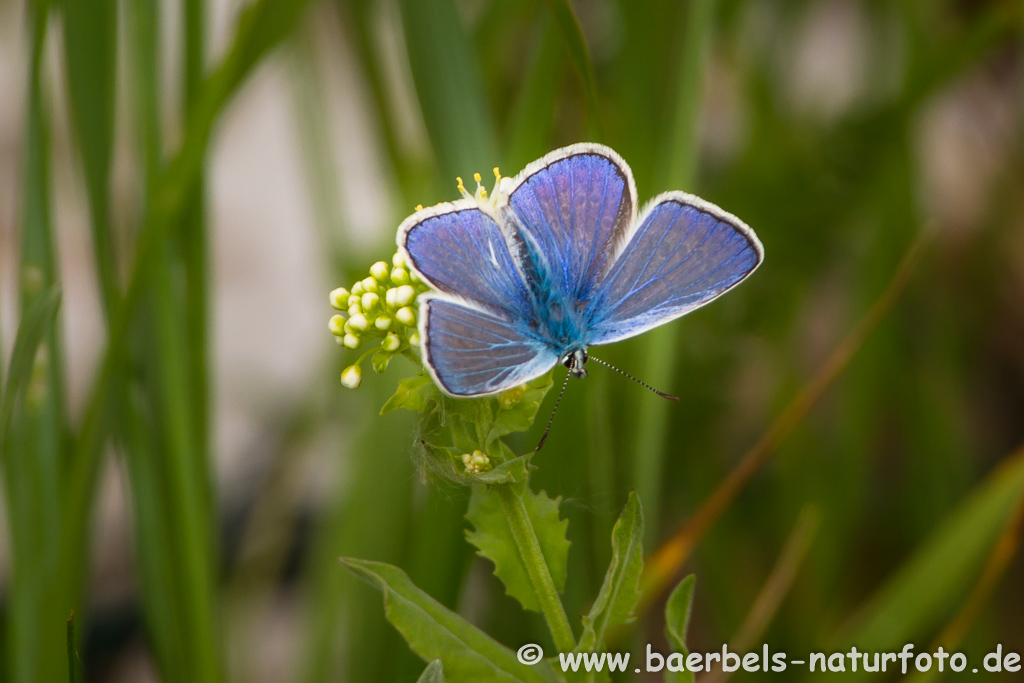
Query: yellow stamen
{"points": [[476, 177], [497, 175], [462, 188], [419, 207]]}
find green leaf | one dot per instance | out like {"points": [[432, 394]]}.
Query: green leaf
{"points": [[515, 413], [493, 539], [434, 673], [417, 393], [511, 472], [434, 632], [935, 579], [39, 318], [380, 360], [620, 591], [677, 622]]}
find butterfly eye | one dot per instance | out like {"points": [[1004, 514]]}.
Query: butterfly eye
{"points": [[567, 361]]}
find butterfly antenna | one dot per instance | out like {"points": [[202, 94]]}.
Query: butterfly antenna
{"points": [[553, 411], [626, 374]]}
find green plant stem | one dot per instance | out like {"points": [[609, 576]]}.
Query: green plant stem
{"points": [[536, 567]]}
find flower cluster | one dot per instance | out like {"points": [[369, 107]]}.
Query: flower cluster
{"points": [[380, 307]]}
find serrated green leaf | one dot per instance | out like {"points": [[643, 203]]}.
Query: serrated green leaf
{"points": [[511, 472], [518, 415], [417, 393], [620, 591], [677, 623], [435, 632], [434, 673], [493, 539]]}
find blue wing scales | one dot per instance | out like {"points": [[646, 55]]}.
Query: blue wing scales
{"points": [[470, 352], [684, 253]]}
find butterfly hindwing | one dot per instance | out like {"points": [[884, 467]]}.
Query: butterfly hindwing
{"points": [[684, 253], [471, 352]]}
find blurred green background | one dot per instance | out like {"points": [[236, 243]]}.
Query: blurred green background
{"points": [[182, 183]]}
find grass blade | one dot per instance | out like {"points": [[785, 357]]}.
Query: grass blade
{"points": [[533, 115], [678, 165], [450, 88], [576, 45], [90, 54]]}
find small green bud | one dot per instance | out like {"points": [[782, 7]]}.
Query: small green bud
{"points": [[352, 376], [383, 322], [357, 289], [389, 297], [339, 298], [400, 276], [351, 341], [355, 310], [336, 325], [397, 261], [391, 342], [414, 278], [406, 316], [358, 322], [379, 271], [414, 339], [405, 296], [370, 301], [370, 285]]}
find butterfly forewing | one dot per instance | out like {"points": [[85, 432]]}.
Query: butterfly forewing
{"points": [[684, 253], [574, 207], [460, 250]]}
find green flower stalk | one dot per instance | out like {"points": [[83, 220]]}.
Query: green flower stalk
{"points": [[381, 309]]}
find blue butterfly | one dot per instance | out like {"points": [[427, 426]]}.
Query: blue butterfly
{"points": [[557, 260]]}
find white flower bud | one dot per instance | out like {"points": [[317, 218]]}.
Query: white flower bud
{"points": [[379, 271], [414, 339], [357, 289], [389, 297], [351, 341], [336, 325], [339, 298], [391, 342], [355, 309], [351, 377], [406, 316], [353, 300], [358, 322], [383, 322], [400, 276], [405, 296], [369, 285], [369, 301], [397, 261]]}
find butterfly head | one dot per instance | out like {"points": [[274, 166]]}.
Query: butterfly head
{"points": [[576, 362]]}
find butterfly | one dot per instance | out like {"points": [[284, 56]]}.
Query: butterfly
{"points": [[557, 259]]}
